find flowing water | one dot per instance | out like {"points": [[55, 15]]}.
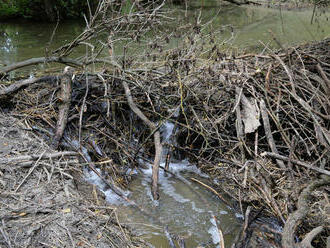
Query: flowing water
{"points": [[186, 210], [186, 207]]}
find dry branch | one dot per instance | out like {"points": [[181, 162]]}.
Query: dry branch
{"points": [[288, 240], [35, 61], [297, 162], [25, 82], [64, 105], [22, 158], [158, 145], [268, 132]]}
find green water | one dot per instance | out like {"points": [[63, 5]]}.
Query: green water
{"points": [[245, 28]]}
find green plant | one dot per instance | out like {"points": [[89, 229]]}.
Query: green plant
{"points": [[7, 10]]}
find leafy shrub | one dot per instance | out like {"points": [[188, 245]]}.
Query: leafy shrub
{"points": [[7, 10]]}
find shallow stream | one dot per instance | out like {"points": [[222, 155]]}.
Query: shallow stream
{"points": [[188, 209]]}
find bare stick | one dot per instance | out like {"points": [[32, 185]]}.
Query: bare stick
{"points": [[65, 101], [268, 132], [29, 173], [35, 61], [326, 86], [211, 189], [34, 157], [310, 236], [25, 82], [222, 241], [239, 123], [297, 162], [158, 145], [169, 238]]}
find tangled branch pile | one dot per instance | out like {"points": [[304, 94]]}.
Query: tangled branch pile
{"points": [[257, 123]]}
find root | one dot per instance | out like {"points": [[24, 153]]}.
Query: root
{"points": [[301, 212]]}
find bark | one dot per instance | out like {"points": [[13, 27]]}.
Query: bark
{"points": [[268, 132], [64, 106], [294, 218], [158, 146]]}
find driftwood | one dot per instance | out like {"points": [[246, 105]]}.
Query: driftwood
{"points": [[64, 105], [158, 146], [25, 82]]}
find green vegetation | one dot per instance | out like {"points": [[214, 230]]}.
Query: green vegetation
{"points": [[42, 9], [7, 9]]}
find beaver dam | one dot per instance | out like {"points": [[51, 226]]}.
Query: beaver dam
{"points": [[187, 147]]}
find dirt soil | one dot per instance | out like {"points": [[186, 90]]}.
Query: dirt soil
{"points": [[45, 203]]}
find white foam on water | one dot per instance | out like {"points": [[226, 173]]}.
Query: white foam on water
{"points": [[131, 171], [114, 199], [167, 130], [93, 178], [214, 232], [110, 196], [198, 210], [222, 212], [239, 216], [168, 189]]}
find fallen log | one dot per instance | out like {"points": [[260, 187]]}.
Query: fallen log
{"points": [[65, 101]]}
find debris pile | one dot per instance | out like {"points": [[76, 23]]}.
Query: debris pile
{"points": [[257, 123]]}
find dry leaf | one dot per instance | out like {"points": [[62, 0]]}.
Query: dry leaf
{"points": [[250, 114]]}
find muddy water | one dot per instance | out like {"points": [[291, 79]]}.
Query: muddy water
{"points": [[186, 210]]}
